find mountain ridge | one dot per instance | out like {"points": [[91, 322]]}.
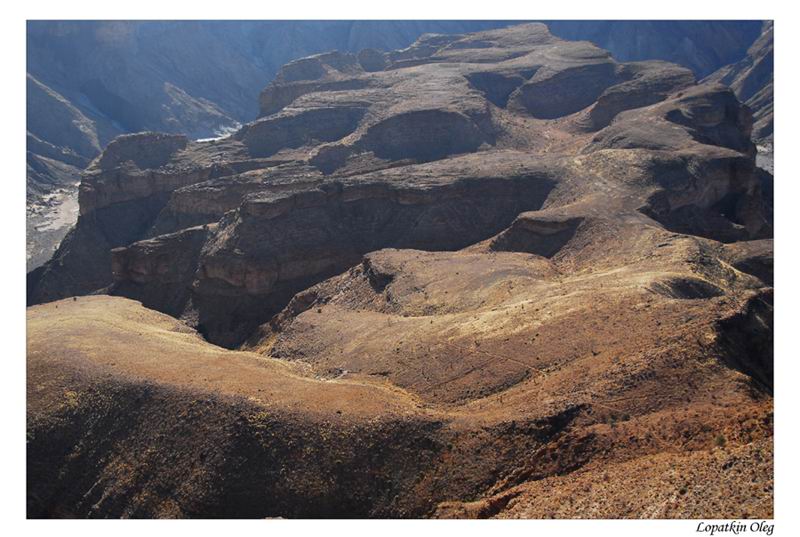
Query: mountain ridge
{"points": [[494, 274]]}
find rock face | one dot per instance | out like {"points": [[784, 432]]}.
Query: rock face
{"points": [[646, 84], [500, 262], [700, 45], [751, 80], [298, 238], [61, 141], [89, 81]]}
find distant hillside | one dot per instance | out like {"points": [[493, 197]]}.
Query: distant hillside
{"points": [[702, 46], [751, 80]]}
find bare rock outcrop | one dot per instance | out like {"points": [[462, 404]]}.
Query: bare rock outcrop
{"points": [[647, 83], [202, 77], [314, 184], [751, 80], [158, 271], [277, 244], [497, 263]]}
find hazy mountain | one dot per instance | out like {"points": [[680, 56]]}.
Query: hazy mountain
{"points": [[751, 80], [702, 46]]}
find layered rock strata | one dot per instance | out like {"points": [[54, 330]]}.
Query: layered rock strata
{"points": [[453, 278]]}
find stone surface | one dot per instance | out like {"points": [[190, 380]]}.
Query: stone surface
{"points": [[491, 291], [701, 45], [89, 81], [751, 80]]}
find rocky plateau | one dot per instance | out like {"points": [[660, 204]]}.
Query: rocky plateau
{"points": [[90, 81], [492, 274]]}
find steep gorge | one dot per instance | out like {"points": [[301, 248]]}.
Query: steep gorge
{"points": [[448, 276]]}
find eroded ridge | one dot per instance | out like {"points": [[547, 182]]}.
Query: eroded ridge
{"points": [[468, 278]]}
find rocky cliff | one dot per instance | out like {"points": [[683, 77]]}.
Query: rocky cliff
{"points": [[751, 79], [701, 45], [89, 81], [501, 262]]}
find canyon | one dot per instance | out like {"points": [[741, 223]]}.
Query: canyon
{"points": [[90, 81], [491, 274]]}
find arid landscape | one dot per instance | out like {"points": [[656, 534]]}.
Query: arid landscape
{"points": [[497, 273]]}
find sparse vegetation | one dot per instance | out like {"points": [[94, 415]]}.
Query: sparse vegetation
{"points": [[369, 247]]}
